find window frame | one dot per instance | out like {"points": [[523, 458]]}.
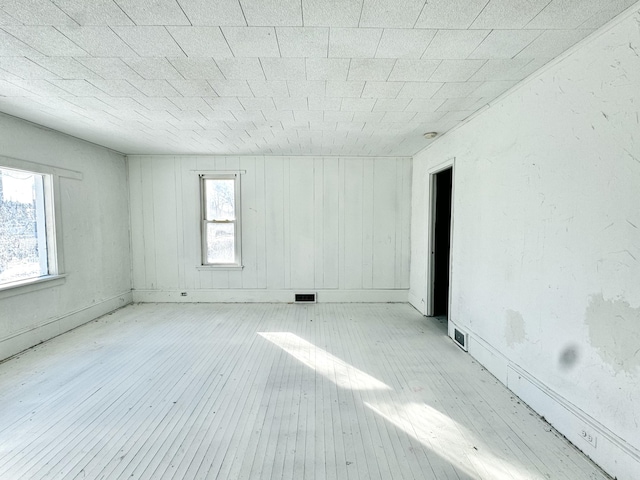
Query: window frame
{"points": [[53, 215], [237, 221]]}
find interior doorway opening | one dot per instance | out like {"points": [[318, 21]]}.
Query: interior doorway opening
{"points": [[442, 183]]}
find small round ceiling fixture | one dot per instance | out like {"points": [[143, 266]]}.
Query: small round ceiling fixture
{"points": [[430, 135]]}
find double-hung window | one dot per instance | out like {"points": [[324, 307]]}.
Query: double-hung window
{"points": [[27, 228], [221, 232]]}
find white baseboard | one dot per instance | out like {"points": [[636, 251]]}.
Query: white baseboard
{"points": [[268, 296], [26, 338], [612, 453]]}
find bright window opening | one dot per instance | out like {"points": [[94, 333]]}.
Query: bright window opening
{"points": [[220, 220], [24, 245]]}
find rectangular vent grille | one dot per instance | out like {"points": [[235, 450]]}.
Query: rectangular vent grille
{"points": [[460, 338], [305, 298]]}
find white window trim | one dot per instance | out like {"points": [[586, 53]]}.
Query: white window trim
{"points": [[53, 214], [221, 175]]}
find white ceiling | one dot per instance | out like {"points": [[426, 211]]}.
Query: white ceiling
{"points": [[284, 77]]}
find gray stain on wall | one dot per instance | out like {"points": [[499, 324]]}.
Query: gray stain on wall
{"points": [[614, 331], [514, 331]]}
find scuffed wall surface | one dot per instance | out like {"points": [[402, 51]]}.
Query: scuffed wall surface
{"points": [[546, 236]]}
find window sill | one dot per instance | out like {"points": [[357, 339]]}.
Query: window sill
{"points": [[30, 285], [219, 267]]}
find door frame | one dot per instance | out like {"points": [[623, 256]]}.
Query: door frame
{"points": [[431, 221]]}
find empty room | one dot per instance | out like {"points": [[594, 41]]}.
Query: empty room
{"points": [[320, 239]]}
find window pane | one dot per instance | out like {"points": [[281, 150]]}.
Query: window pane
{"points": [[220, 198], [23, 243], [221, 243]]}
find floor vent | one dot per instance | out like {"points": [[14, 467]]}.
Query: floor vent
{"points": [[305, 298], [461, 339]]}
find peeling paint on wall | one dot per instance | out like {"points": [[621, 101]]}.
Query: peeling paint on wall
{"points": [[614, 331], [514, 331]]}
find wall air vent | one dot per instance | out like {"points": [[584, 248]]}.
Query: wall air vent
{"points": [[305, 298], [461, 339]]}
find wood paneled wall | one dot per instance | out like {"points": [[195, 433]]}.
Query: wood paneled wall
{"points": [[307, 223]]}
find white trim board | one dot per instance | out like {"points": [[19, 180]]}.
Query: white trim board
{"points": [[28, 337], [612, 453], [268, 296]]}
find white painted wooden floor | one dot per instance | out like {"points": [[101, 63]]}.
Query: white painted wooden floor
{"points": [[186, 391]]}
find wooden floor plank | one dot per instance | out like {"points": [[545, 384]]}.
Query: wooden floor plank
{"points": [[268, 391]]}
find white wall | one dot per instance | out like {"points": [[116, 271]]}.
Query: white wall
{"points": [[546, 242], [309, 224], [95, 238]]}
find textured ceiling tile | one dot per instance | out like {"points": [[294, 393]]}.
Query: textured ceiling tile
{"points": [[125, 103], [336, 116], [291, 103], [331, 13], [461, 104], [251, 116], [275, 88], [94, 12], [153, 68], [280, 13], [507, 14], [354, 42], [149, 41], [213, 12], [308, 116], [201, 41], [25, 68], [116, 88], [252, 41], [424, 104], [189, 103], [10, 46], [413, 70], [154, 12], [370, 69], [502, 69], [98, 41], [284, 68], [493, 89], [565, 14], [279, 115], [456, 70], [79, 88], [450, 13], [357, 104], [390, 13], [231, 88], [327, 68], [251, 103], [89, 103], [306, 88], [66, 67], [36, 12], [40, 87], [382, 89], [391, 104], [46, 40], [504, 43], [193, 88], [454, 44], [610, 10], [552, 43], [155, 88], [195, 68], [398, 117], [325, 103], [404, 43], [456, 89], [224, 103], [344, 89], [241, 68], [303, 42], [113, 68]]}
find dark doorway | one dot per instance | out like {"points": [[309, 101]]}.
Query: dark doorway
{"points": [[441, 241]]}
